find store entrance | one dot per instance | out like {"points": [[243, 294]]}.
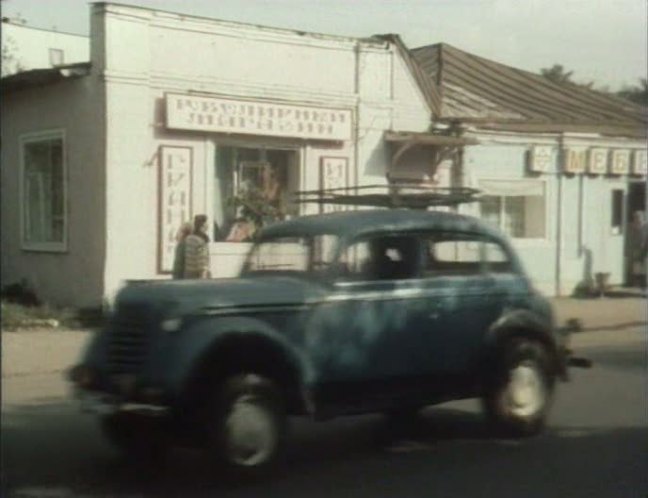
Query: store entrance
{"points": [[635, 210], [253, 188]]}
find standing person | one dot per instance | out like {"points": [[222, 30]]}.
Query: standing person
{"points": [[179, 255], [196, 258]]}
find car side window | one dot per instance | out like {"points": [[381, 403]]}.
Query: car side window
{"points": [[464, 254], [391, 257], [449, 254], [496, 258]]}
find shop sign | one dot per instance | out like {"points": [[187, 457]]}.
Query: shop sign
{"points": [[598, 161], [574, 160], [620, 162], [175, 200], [334, 173], [189, 112], [640, 162], [540, 158]]}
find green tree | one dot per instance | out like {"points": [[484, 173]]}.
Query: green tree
{"points": [[637, 94], [557, 74]]}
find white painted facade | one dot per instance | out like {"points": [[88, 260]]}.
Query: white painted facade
{"points": [[34, 48], [117, 134], [578, 239]]}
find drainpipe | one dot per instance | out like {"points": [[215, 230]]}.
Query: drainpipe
{"points": [[559, 216], [356, 88]]}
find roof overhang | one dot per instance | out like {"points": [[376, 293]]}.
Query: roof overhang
{"points": [[442, 145], [428, 139], [44, 77]]}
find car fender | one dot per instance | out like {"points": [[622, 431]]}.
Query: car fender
{"points": [[518, 323], [205, 336]]}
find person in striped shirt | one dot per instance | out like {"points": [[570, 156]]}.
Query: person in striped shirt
{"points": [[196, 249]]}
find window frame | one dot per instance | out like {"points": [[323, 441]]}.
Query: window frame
{"points": [[484, 266], [345, 244], [24, 140], [546, 238]]}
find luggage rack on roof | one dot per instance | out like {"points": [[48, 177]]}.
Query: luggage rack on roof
{"points": [[394, 195]]}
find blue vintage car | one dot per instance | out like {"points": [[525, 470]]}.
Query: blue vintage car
{"points": [[343, 313]]}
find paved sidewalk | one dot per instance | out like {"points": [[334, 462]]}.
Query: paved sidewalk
{"points": [[621, 309], [31, 352]]}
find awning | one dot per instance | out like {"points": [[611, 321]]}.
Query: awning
{"points": [[443, 146]]}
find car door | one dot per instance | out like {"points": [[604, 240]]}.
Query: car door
{"points": [[375, 301], [459, 305], [508, 287]]}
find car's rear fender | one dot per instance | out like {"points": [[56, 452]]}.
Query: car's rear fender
{"points": [[521, 323]]}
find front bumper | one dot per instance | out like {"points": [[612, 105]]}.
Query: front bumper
{"points": [[107, 404]]}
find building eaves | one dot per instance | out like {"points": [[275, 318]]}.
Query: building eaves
{"points": [[474, 89], [44, 77]]}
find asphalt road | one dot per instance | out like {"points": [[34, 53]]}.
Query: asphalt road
{"points": [[596, 446]]}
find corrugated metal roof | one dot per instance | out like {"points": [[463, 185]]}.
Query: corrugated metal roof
{"points": [[474, 89]]}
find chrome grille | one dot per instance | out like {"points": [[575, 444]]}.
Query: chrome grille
{"points": [[129, 338]]}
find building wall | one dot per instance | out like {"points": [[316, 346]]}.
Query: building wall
{"points": [[143, 56], [29, 47], [579, 240], [73, 277]]}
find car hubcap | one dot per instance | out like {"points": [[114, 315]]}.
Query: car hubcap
{"points": [[249, 432], [526, 391]]}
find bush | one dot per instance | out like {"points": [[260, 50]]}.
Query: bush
{"points": [[17, 316]]}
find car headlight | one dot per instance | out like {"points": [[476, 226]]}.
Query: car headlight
{"points": [[171, 324]]}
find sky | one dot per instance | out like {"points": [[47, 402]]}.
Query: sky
{"points": [[601, 41]]}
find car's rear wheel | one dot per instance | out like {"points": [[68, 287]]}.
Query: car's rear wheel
{"points": [[247, 425], [520, 389]]}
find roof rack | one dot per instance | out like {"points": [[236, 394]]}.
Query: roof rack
{"points": [[394, 195]]}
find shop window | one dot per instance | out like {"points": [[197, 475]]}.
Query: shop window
{"points": [[617, 211], [44, 190], [515, 207], [253, 188]]}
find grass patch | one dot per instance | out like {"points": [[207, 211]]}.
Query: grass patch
{"points": [[17, 317]]}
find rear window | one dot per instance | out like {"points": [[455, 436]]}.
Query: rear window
{"points": [[463, 254]]}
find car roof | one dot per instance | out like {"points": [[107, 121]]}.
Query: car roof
{"points": [[361, 222]]}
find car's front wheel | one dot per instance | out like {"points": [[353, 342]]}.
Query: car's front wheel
{"points": [[520, 388], [247, 424]]}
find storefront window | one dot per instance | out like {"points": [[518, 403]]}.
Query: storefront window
{"points": [[253, 189], [515, 207]]}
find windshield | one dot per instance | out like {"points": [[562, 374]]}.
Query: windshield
{"points": [[311, 255]]}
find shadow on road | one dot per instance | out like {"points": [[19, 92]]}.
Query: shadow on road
{"points": [[49, 447], [618, 358]]}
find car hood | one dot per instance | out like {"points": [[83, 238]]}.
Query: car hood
{"points": [[222, 293]]}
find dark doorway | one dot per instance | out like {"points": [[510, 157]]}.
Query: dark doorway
{"points": [[636, 202]]}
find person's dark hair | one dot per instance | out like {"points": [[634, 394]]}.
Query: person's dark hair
{"points": [[200, 221]]}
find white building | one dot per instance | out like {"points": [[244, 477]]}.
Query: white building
{"points": [[562, 168], [171, 117], [25, 47]]}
